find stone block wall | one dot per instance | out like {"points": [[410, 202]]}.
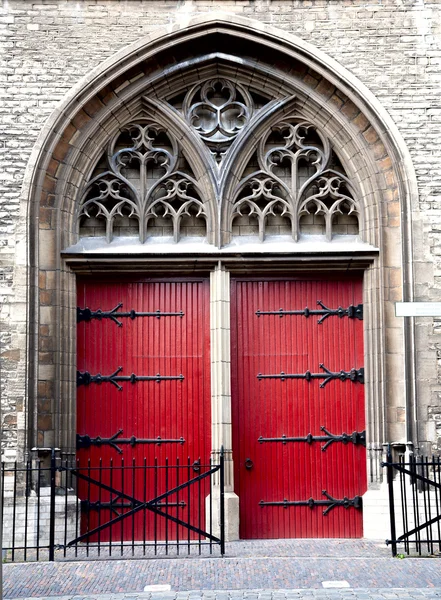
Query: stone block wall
{"points": [[30, 524], [26, 520], [46, 47]]}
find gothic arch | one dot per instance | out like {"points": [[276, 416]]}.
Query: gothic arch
{"points": [[297, 80], [217, 159]]}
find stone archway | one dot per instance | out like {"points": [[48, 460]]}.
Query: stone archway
{"points": [[296, 79]]}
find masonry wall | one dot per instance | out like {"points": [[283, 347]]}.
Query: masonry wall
{"points": [[392, 46]]}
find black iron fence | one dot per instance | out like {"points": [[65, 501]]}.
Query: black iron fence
{"points": [[67, 511], [414, 485]]}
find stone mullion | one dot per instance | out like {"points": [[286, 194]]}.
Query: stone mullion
{"points": [[221, 425], [220, 368]]}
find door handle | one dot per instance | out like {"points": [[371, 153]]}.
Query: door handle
{"points": [[249, 463]]}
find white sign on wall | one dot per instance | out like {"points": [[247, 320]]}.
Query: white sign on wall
{"points": [[418, 309]]}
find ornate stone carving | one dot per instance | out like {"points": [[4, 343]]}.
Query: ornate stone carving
{"points": [[329, 201], [293, 184], [265, 197], [218, 110], [296, 177], [142, 181]]}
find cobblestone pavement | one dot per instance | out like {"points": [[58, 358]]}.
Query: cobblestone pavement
{"points": [[335, 594], [281, 570]]}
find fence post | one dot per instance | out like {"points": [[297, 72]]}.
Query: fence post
{"points": [[52, 508], [390, 484], [222, 500]]}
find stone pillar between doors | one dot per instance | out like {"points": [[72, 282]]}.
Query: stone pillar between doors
{"points": [[221, 426]]}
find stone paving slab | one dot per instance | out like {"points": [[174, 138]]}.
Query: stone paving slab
{"points": [[110, 577], [298, 594], [246, 570]]}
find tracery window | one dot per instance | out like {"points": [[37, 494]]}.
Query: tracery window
{"points": [[145, 184], [293, 186], [297, 176]]}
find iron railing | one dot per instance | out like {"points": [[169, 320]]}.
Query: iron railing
{"points": [[414, 486], [74, 511]]}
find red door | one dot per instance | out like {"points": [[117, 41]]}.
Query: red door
{"points": [[297, 386], [157, 338]]}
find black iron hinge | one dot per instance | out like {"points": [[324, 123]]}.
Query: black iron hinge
{"points": [[85, 378], [356, 438], [352, 312], [86, 314], [354, 375], [118, 504], [355, 502], [85, 441]]}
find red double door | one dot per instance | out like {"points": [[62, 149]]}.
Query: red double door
{"points": [[161, 329]]}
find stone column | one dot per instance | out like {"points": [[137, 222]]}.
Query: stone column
{"points": [[221, 396]]}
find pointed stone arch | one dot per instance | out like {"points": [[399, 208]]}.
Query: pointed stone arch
{"points": [[137, 81]]}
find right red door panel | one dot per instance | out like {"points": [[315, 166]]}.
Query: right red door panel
{"points": [[297, 389]]}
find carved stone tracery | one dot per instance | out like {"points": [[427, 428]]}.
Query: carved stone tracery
{"points": [[329, 201], [143, 181], [293, 184], [218, 110], [295, 178]]}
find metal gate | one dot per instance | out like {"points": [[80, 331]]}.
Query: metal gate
{"points": [[45, 519], [298, 407], [415, 504], [143, 391]]}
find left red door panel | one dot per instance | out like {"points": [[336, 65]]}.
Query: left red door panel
{"points": [[159, 330]]}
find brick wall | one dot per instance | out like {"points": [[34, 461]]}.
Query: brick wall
{"points": [[392, 46]]}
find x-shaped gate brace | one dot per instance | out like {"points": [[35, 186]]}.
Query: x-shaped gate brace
{"points": [[354, 375], [331, 502], [414, 475], [138, 505]]}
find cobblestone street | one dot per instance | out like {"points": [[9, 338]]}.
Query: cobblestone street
{"points": [[270, 570], [336, 594]]}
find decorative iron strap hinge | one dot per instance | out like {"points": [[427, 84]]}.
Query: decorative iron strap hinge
{"points": [[356, 438], [85, 378], [355, 502], [85, 441], [352, 312], [86, 314], [354, 375]]}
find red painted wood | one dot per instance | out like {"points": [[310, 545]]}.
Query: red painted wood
{"points": [[169, 409], [272, 408]]}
